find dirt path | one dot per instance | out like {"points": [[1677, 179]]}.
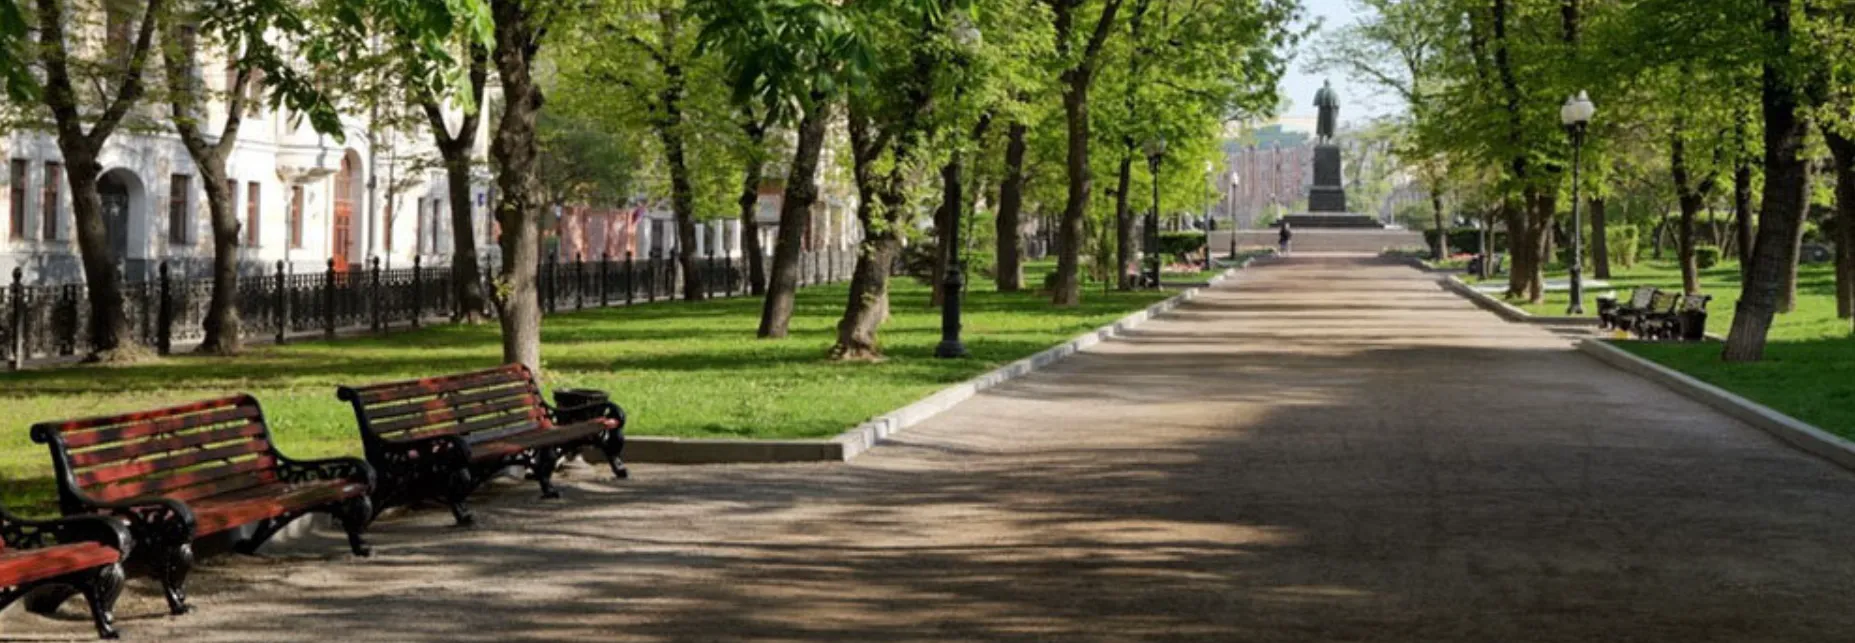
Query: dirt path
{"points": [[1329, 449]]}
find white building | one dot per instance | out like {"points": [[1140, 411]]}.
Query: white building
{"points": [[302, 197]]}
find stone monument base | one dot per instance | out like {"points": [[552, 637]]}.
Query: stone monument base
{"points": [[1353, 220]]}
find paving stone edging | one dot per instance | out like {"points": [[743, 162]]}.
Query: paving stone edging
{"points": [[1507, 311], [1802, 435], [855, 441]]}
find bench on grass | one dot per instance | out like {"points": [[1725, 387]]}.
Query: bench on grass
{"points": [[81, 553], [195, 470], [1686, 319], [442, 437], [1611, 314]]}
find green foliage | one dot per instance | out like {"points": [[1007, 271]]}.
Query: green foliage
{"points": [[1624, 243], [1462, 241], [1706, 256], [1176, 244]]}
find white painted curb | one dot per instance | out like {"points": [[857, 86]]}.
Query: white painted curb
{"points": [[1505, 310], [1797, 433]]}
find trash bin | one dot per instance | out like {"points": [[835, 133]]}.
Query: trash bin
{"points": [[1693, 325], [569, 399]]}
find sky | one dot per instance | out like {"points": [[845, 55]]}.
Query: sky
{"points": [[1357, 101]]}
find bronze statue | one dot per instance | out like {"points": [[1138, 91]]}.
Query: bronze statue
{"points": [[1329, 104]]}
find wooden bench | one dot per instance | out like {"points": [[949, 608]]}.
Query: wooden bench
{"points": [[444, 436], [81, 553], [1612, 314], [1685, 319], [194, 470]]}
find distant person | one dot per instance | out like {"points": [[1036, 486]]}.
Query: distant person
{"points": [[1288, 235]]}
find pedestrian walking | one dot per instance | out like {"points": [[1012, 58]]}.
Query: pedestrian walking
{"points": [[1287, 235]]}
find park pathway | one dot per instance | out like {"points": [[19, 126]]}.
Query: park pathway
{"points": [[1325, 449]]}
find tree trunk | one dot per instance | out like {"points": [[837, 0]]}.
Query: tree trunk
{"points": [[1787, 293], [466, 267], [1442, 229], [1010, 212], [455, 150], [221, 323], [750, 229], [1784, 199], [868, 304], [794, 209], [946, 223], [1843, 149], [110, 337], [1600, 239], [1742, 216], [1068, 291], [1519, 251], [669, 126], [1659, 233], [1124, 224], [1689, 200], [1545, 205], [518, 205]]}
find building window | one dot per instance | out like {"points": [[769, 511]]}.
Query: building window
{"points": [[418, 229], [296, 217], [251, 214], [48, 204], [17, 191], [180, 188], [438, 226], [389, 226]]}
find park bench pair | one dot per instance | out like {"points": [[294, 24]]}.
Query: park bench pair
{"points": [[175, 474], [1656, 314]]}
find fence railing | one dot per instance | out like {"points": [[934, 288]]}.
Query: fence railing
{"points": [[43, 322]]}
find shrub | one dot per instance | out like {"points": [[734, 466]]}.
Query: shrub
{"points": [[1181, 243], [1706, 257], [1625, 243], [1460, 240]]}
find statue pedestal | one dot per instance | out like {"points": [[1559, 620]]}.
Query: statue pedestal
{"points": [[1327, 195]]}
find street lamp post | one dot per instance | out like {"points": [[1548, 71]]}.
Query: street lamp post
{"points": [[1209, 168], [1235, 179], [1155, 150], [953, 284], [1576, 115]]}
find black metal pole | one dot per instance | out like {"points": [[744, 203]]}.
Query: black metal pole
{"points": [[1577, 267], [953, 284], [1152, 227], [283, 303]]}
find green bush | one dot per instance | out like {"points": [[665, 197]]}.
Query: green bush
{"points": [[1176, 245], [1461, 240], [1706, 257], [1625, 242]]}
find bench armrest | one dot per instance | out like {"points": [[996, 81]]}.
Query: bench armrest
{"points": [[353, 469], [21, 533], [582, 412], [154, 518]]}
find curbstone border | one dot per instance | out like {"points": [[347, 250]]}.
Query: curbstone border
{"points": [[1507, 311], [864, 436], [1797, 433]]}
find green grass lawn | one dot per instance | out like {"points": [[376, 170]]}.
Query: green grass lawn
{"points": [[1809, 366], [679, 369]]}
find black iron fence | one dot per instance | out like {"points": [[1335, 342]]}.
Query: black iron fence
{"points": [[50, 321]]}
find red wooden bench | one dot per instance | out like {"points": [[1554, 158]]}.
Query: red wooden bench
{"points": [[442, 437], [194, 470], [84, 553]]}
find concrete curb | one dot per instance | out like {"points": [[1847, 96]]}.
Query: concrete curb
{"points": [[855, 441], [1507, 311], [1802, 435]]}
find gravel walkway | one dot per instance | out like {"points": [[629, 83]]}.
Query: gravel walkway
{"points": [[1328, 449]]}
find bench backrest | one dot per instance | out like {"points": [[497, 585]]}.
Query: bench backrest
{"points": [[1663, 301], [478, 406], [1694, 303], [184, 452], [1642, 297]]}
